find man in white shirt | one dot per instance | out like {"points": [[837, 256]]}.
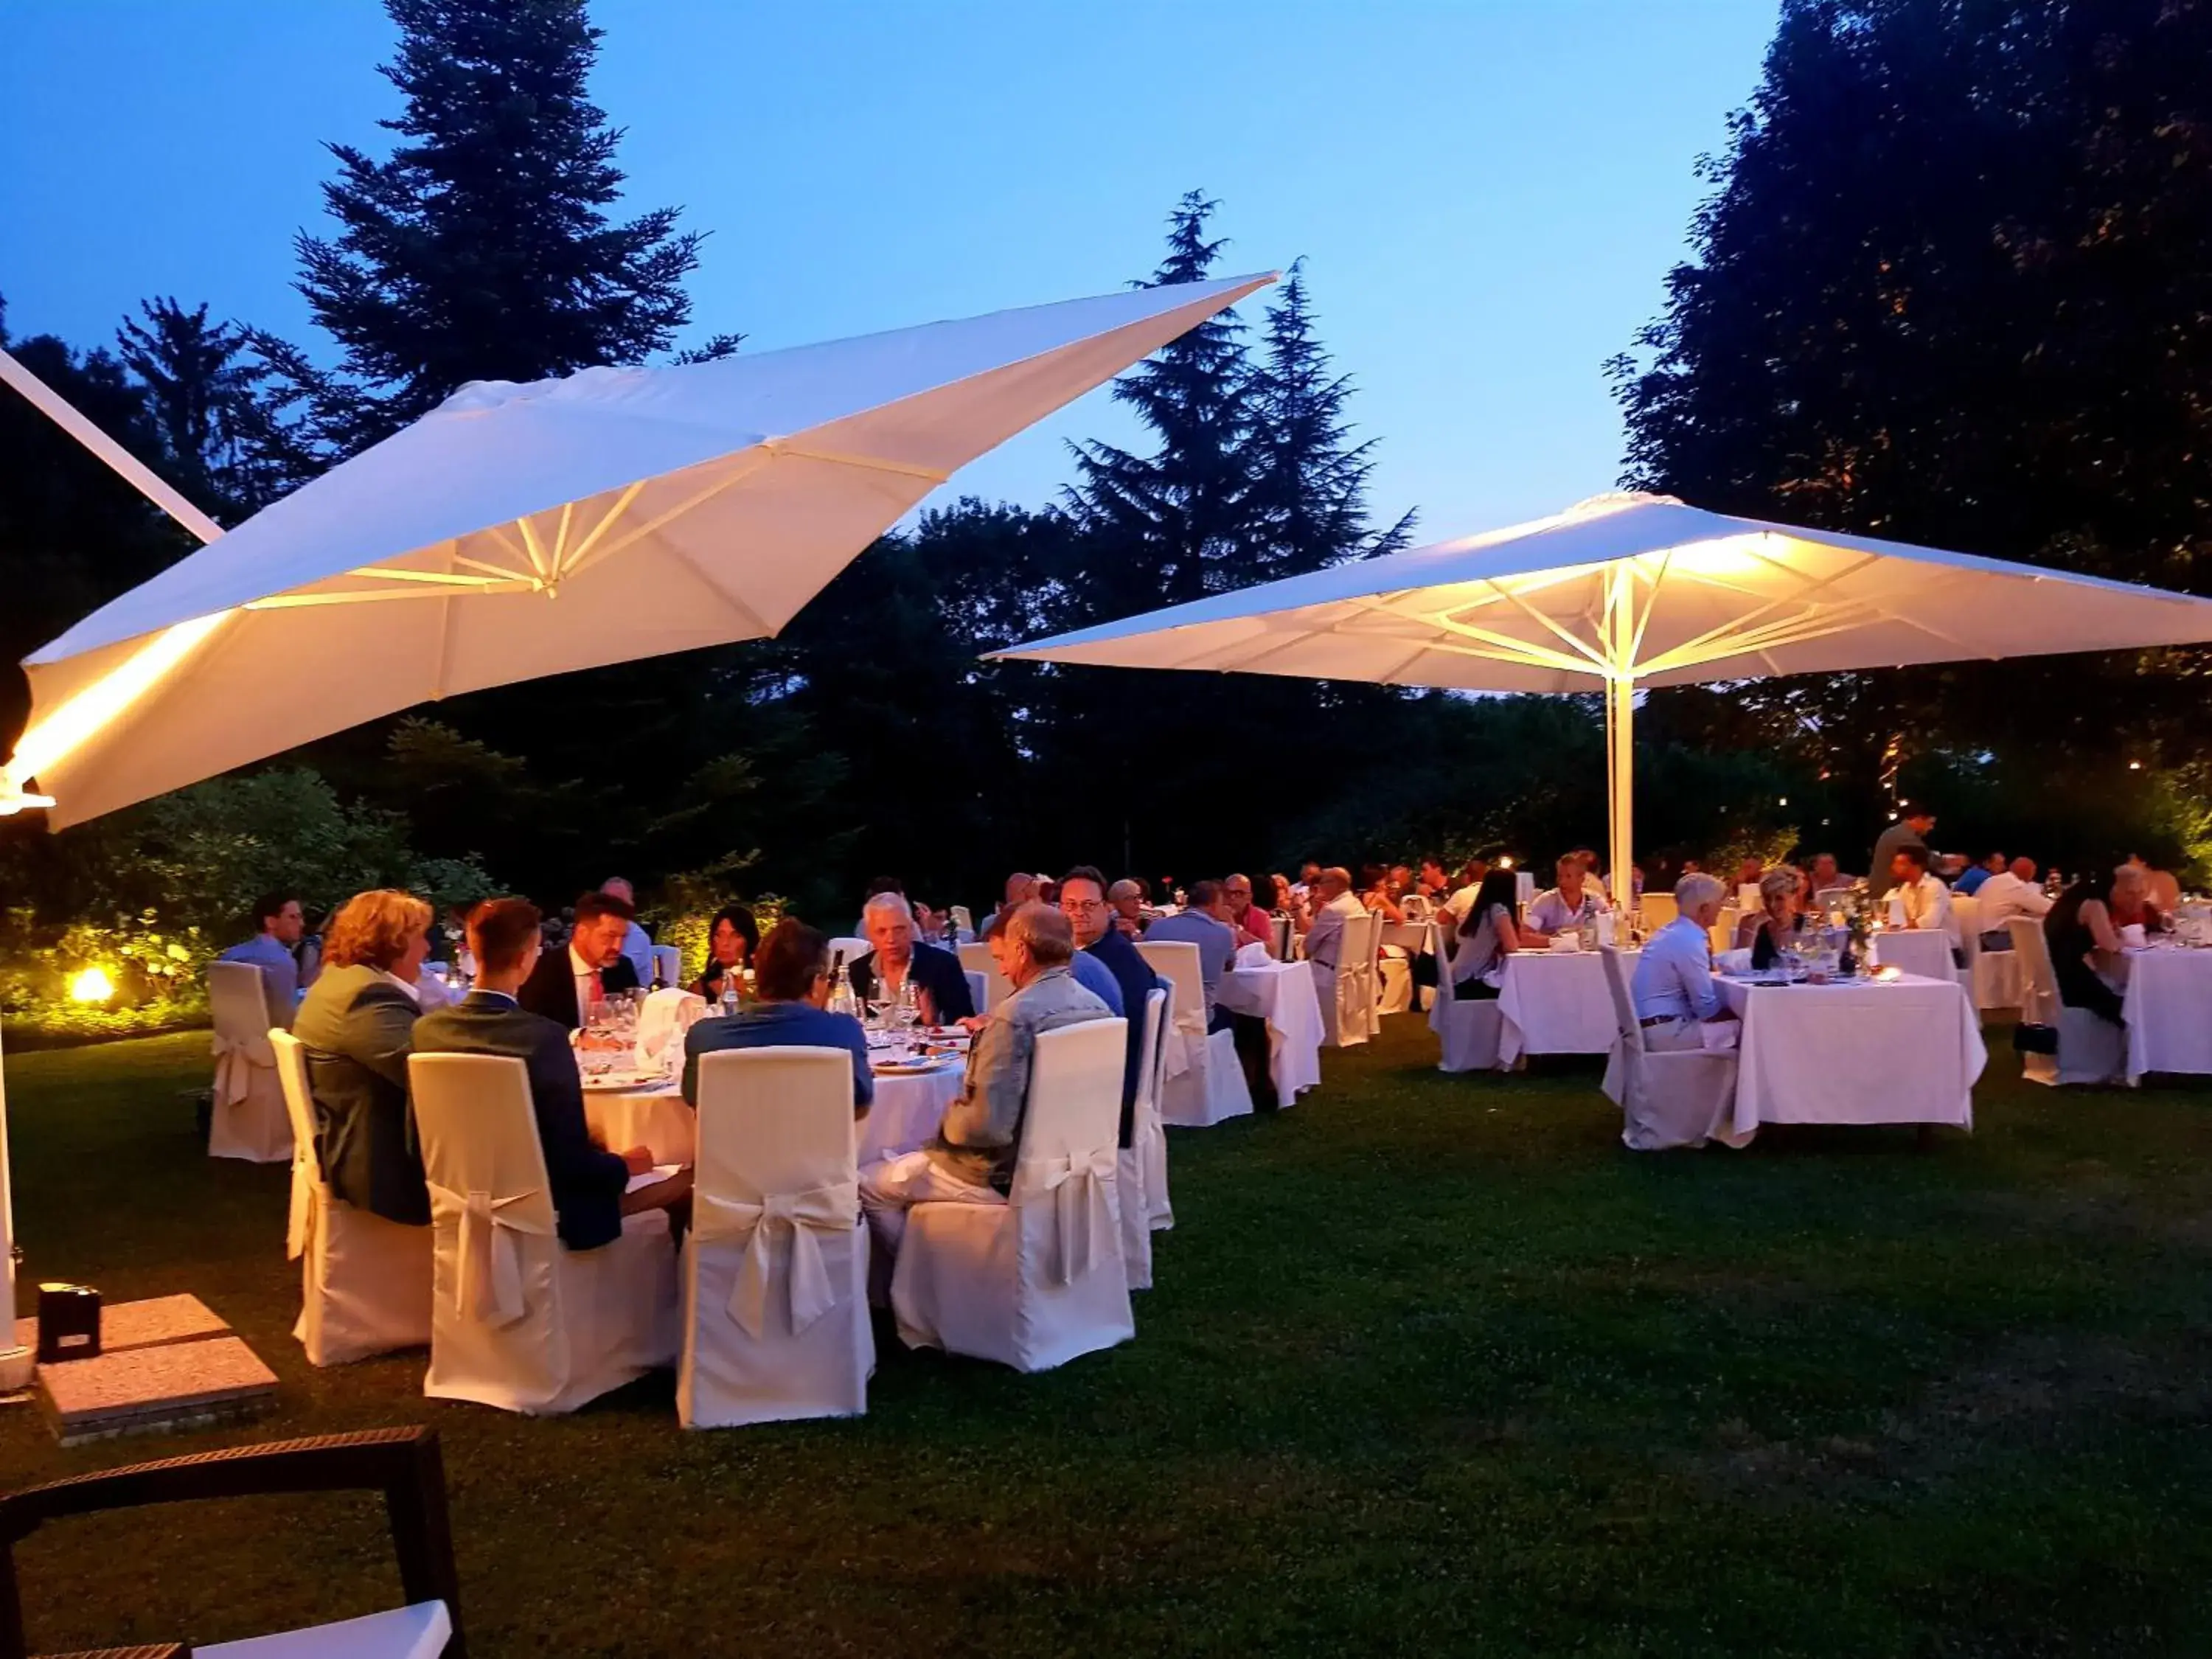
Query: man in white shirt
{"points": [[1334, 901], [637, 943], [2011, 892], [1674, 990], [1919, 900], [1556, 909]]}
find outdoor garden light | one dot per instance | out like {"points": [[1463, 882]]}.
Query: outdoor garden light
{"points": [[2135, 766], [92, 985]]}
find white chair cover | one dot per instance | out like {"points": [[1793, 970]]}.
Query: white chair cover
{"points": [[963, 921], [1993, 976], [1153, 1142], [419, 1631], [847, 949], [775, 1272], [2091, 1050], [1467, 1028], [1665, 1100], [1146, 1151], [520, 1321], [1395, 977], [666, 1016], [668, 964], [1656, 909], [249, 1121], [364, 1281], [976, 958], [1202, 1082], [979, 990], [1036, 1281], [1348, 1002]]}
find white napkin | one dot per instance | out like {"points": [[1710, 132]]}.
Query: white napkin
{"points": [[1253, 955], [1720, 1034]]}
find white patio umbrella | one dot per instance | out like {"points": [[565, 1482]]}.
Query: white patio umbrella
{"points": [[518, 530], [1627, 590]]}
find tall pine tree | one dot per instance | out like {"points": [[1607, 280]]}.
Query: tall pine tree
{"points": [[226, 446], [1175, 525], [482, 248], [1309, 491]]}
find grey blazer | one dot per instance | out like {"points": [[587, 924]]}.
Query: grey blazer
{"points": [[357, 1026]]}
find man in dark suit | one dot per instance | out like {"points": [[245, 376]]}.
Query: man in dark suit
{"points": [[899, 955], [588, 1182], [589, 970]]}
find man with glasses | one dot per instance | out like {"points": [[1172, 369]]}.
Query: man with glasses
{"points": [[1102, 945]]}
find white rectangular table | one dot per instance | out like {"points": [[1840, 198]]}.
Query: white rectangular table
{"points": [[1905, 1050], [1555, 1002], [2168, 1008], [1284, 994]]}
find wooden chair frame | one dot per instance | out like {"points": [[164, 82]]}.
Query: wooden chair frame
{"points": [[404, 1464]]}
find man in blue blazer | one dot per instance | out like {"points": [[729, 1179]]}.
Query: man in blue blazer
{"points": [[791, 972]]}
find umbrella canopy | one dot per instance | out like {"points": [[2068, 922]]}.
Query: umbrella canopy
{"points": [[1624, 591], [657, 509]]}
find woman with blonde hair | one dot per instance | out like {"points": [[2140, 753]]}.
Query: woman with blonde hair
{"points": [[357, 1026], [1780, 920]]}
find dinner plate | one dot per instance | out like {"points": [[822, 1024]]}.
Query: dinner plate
{"points": [[616, 1082], [911, 1068]]}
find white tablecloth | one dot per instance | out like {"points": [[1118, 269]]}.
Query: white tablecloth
{"points": [[1555, 1002], [2168, 1008], [1923, 953], [907, 1112], [657, 1119], [1905, 1050], [1284, 994]]}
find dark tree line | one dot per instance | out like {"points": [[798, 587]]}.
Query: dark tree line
{"points": [[1954, 286], [1950, 286]]}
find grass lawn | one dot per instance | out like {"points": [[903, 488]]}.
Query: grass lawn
{"points": [[1434, 1365]]}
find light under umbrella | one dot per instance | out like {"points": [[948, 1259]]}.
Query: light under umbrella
{"points": [[1629, 590]]}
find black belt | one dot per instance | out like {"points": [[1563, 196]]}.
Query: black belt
{"points": [[1650, 1020]]}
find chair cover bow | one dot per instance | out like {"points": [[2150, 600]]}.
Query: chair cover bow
{"points": [[235, 1057], [488, 1282], [790, 1225], [1078, 1189]]}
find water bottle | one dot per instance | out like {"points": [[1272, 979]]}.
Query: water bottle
{"points": [[729, 993], [841, 1000]]}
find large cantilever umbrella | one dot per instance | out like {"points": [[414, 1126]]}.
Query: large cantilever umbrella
{"points": [[1629, 590], [518, 530]]}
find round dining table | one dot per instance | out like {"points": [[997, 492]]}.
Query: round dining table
{"points": [[908, 1106]]}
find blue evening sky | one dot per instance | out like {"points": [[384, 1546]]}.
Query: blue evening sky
{"points": [[1488, 192]]}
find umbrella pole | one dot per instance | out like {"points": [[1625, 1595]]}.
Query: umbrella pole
{"points": [[1620, 727], [15, 1358], [1621, 784]]}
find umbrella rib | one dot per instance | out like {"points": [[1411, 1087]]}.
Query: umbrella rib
{"points": [[1596, 657], [745, 466], [1650, 605], [1741, 625], [582, 556], [833, 458], [366, 596], [537, 554], [1529, 655]]}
